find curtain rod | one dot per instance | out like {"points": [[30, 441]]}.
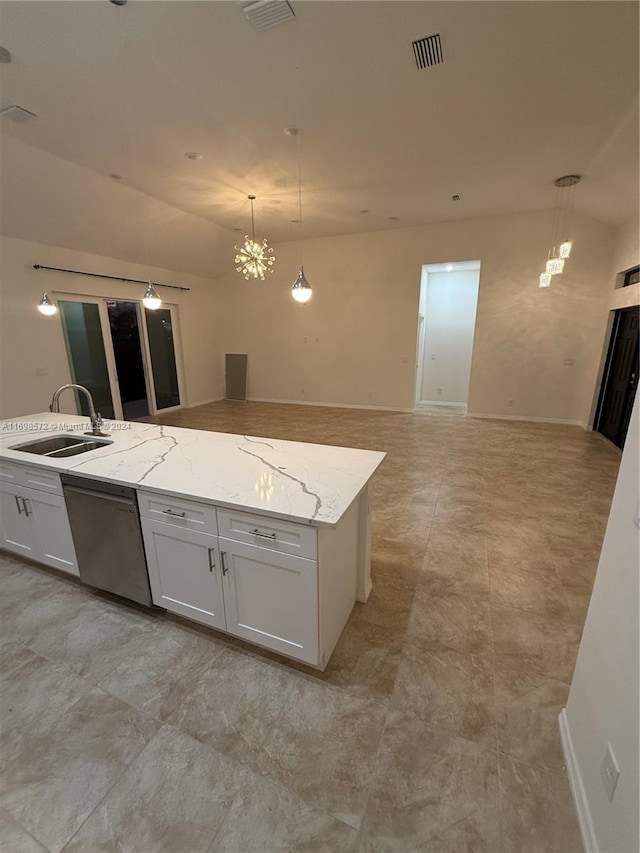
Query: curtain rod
{"points": [[112, 277]]}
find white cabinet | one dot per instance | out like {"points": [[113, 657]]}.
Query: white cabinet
{"points": [[271, 599], [35, 523], [18, 534], [185, 572], [287, 586]]}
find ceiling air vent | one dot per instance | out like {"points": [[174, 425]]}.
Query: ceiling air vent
{"points": [[265, 14], [427, 51], [18, 114]]}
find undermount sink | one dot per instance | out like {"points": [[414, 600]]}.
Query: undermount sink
{"points": [[61, 445]]}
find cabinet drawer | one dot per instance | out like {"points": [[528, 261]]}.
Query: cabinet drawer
{"points": [[10, 473], [286, 537], [43, 480], [35, 478], [191, 515]]}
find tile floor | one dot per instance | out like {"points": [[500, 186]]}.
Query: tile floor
{"points": [[434, 727]]}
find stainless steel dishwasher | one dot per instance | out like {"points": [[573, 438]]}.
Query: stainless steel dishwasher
{"points": [[105, 525]]}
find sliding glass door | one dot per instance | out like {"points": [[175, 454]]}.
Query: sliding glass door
{"points": [[163, 357], [83, 336], [126, 355]]}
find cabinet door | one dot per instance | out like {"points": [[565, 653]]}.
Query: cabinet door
{"points": [[184, 572], [52, 531], [17, 530], [271, 599]]}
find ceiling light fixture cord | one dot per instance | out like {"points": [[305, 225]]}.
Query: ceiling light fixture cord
{"points": [[301, 289]]}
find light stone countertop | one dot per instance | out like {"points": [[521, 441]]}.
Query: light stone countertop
{"points": [[311, 483]]}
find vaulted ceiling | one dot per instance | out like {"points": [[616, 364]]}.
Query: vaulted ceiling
{"points": [[527, 91]]}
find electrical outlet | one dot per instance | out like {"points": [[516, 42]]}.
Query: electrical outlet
{"points": [[569, 362], [438, 391], [511, 403], [433, 356], [609, 772], [42, 371]]}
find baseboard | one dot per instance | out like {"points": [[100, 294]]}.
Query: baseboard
{"points": [[329, 405], [528, 419], [583, 813], [204, 402], [441, 403]]}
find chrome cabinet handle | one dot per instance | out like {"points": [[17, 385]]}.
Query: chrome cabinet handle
{"points": [[26, 508], [17, 500], [256, 532], [212, 562], [223, 554], [173, 512]]}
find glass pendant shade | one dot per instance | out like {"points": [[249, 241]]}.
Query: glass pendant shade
{"points": [[545, 279], [555, 266], [301, 289], [151, 299], [565, 249], [46, 306], [254, 259]]}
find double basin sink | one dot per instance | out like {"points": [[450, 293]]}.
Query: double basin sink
{"points": [[61, 445]]}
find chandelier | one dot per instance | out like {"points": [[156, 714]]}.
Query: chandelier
{"points": [[560, 245], [254, 259]]}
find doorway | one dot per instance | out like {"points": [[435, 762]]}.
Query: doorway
{"points": [[620, 378], [127, 356], [446, 326], [127, 353]]}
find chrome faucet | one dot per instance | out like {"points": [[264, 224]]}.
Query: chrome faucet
{"points": [[96, 419]]}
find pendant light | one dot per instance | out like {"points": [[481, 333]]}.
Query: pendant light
{"points": [[151, 299], [254, 259], [561, 244], [46, 306], [300, 289]]}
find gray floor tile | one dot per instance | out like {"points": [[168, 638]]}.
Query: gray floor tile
{"points": [[450, 689], [172, 798], [537, 811], [231, 704], [323, 746], [61, 773], [431, 790]]}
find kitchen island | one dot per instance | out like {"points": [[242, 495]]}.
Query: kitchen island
{"points": [[265, 539]]}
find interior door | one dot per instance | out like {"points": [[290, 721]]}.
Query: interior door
{"points": [[620, 377]]}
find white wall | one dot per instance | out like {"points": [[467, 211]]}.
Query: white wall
{"points": [[603, 701], [29, 341], [451, 300], [361, 325]]}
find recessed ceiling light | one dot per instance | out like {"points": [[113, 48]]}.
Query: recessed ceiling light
{"points": [[393, 218], [365, 210], [455, 197], [194, 155], [294, 221], [237, 229], [115, 176], [118, 2], [291, 131]]}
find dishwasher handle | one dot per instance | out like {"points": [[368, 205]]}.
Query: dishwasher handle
{"points": [[94, 493]]}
